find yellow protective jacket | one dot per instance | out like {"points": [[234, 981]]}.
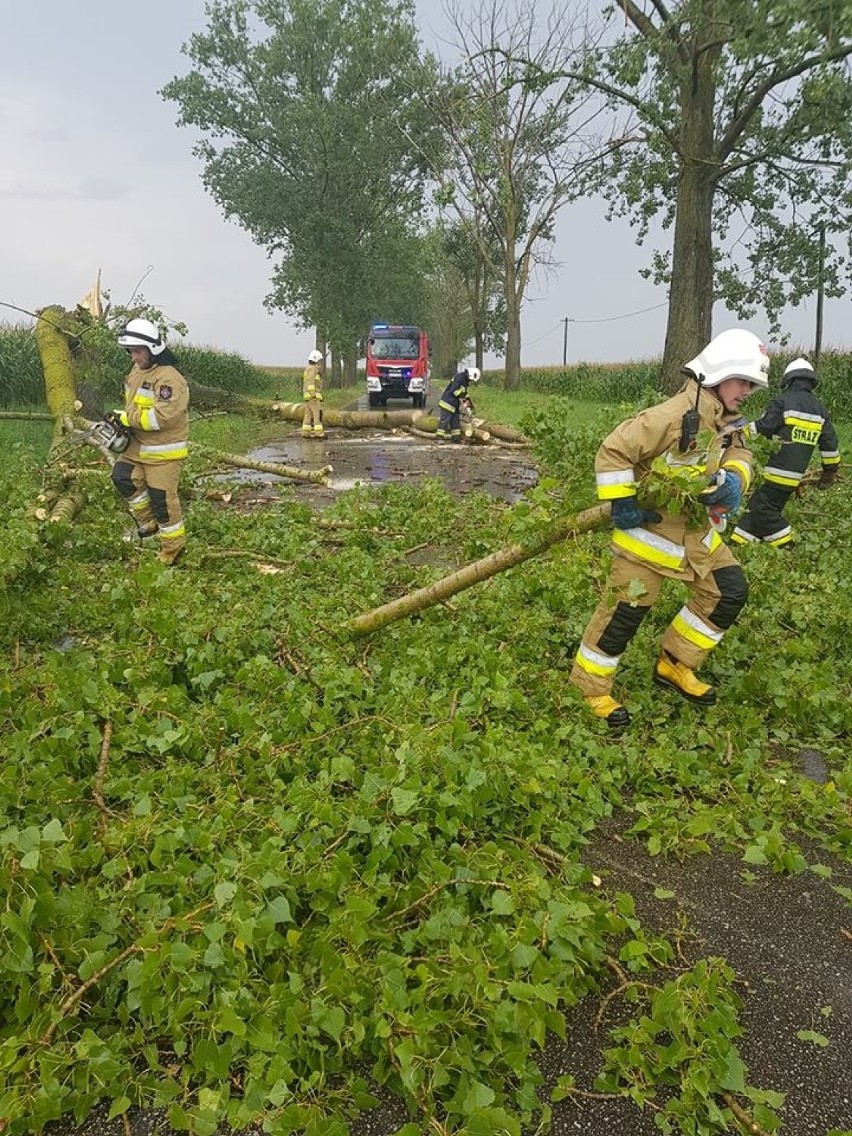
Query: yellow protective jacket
{"points": [[669, 546], [156, 402], [312, 383]]}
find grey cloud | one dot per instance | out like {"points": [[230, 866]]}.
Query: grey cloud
{"points": [[89, 189]]}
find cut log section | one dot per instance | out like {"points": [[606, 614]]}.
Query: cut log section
{"points": [[476, 572]]}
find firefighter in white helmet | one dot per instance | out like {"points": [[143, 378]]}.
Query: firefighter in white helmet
{"points": [[312, 396], [698, 432], [801, 423], [156, 411]]}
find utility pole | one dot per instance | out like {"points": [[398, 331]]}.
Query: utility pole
{"points": [[566, 321], [820, 294]]}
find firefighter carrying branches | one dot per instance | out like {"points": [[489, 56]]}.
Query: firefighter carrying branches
{"points": [[652, 545]]}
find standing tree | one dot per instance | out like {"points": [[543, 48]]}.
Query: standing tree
{"points": [[466, 244], [516, 145], [744, 116], [305, 107]]}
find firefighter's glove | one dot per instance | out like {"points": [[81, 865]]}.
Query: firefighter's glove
{"points": [[118, 419], [727, 492], [627, 514], [828, 477]]}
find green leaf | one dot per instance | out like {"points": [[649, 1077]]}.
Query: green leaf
{"points": [[279, 910], [664, 893], [224, 892], [733, 1079], [816, 1038], [502, 904]]}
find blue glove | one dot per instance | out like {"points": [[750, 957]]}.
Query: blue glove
{"points": [[727, 492], [626, 514]]}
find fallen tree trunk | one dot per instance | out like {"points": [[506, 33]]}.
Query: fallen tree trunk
{"points": [[475, 573], [355, 419], [26, 415], [242, 461]]}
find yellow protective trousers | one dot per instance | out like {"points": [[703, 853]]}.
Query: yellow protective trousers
{"points": [[714, 604], [151, 493], [312, 419]]}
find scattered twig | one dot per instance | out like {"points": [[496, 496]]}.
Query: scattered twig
{"points": [[98, 790], [747, 1121], [54, 958], [125, 1124], [625, 984], [440, 887], [80, 993], [846, 934], [16, 655], [349, 725], [235, 553]]}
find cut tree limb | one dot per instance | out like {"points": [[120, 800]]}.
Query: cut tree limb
{"points": [[242, 461], [475, 573]]}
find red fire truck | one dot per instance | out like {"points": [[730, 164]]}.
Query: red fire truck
{"points": [[397, 364]]}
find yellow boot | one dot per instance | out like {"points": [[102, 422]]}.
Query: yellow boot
{"points": [[613, 713], [670, 672]]}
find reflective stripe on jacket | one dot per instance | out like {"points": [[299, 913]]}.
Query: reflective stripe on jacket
{"points": [[156, 402], [625, 456], [312, 383], [800, 421], [454, 392]]}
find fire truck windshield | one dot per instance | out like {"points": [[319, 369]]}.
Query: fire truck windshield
{"points": [[395, 347]]}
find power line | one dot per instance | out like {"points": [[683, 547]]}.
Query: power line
{"points": [[627, 315]]}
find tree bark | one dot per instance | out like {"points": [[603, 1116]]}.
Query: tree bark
{"points": [[356, 419], [690, 315], [55, 353], [242, 461], [25, 416], [475, 573]]}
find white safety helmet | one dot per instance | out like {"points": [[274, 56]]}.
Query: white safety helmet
{"points": [[474, 374], [315, 356], [141, 333], [734, 354], [799, 369]]}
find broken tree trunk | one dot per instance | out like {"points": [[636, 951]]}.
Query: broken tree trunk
{"points": [[54, 351], [242, 461], [476, 572]]}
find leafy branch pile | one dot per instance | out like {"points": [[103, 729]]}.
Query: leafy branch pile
{"points": [[255, 873]]}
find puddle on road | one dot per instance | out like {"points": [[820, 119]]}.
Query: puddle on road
{"points": [[375, 457]]}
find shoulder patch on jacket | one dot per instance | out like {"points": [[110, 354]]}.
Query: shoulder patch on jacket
{"points": [[165, 393]]}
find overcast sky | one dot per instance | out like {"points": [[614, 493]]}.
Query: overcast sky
{"points": [[95, 174]]}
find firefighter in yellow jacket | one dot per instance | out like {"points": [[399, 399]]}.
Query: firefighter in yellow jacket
{"points": [[650, 546], [156, 413], [312, 397]]}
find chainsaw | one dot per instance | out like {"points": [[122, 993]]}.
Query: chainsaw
{"points": [[110, 434]]}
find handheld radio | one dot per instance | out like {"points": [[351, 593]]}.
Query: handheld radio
{"points": [[691, 421]]}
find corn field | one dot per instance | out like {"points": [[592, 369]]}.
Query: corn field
{"points": [[21, 383], [634, 382]]}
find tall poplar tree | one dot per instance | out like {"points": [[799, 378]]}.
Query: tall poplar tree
{"points": [[305, 108], [743, 115]]}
